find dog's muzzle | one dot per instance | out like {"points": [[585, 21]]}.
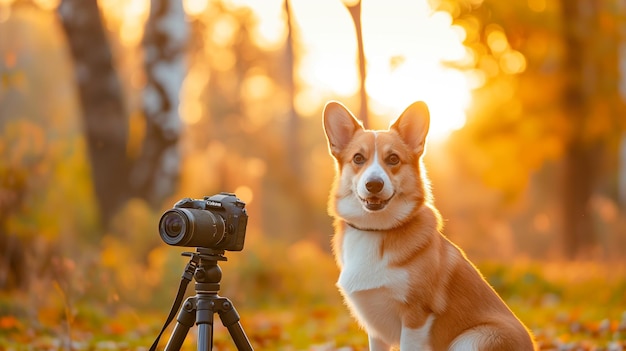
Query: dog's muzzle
{"points": [[373, 201]]}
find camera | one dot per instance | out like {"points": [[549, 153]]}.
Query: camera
{"points": [[215, 222]]}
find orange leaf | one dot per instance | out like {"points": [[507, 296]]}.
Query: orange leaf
{"points": [[9, 322], [116, 328]]}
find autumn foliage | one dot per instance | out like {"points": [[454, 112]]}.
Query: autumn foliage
{"points": [[527, 160]]}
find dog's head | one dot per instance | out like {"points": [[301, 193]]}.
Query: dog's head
{"points": [[379, 178]]}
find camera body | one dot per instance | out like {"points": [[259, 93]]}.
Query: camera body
{"points": [[216, 222]]}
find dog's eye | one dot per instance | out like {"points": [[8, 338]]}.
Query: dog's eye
{"points": [[358, 159], [393, 159]]}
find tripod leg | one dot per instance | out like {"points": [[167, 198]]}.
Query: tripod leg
{"points": [[186, 319], [204, 320], [239, 337], [230, 318], [205, 337]]}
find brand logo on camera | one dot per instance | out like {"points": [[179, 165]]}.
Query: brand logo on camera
{"points": [[211, 203]]}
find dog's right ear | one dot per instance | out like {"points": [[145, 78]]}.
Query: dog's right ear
{"points": [[339, 126]]}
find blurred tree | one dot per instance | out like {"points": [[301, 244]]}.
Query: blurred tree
{"points": [[101, 100], [354, 7], [582, 154], [594, 109], [547, 77], [293, 129], [155, 173], [117, 175], [294, 178]]}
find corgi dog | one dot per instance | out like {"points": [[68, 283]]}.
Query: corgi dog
{"points": [[406, 284]]}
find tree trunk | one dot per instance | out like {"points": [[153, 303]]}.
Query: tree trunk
{"points": [[101, 100], [293, 120], [116, 177], [582, 155], [293, 179], [155, 174], [355, 12], [579, 179]]}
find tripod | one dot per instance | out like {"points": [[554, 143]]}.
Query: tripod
{"points": [[200, 309]]}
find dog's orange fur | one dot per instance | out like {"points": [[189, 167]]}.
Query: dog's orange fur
{"points": [[405, 236]]}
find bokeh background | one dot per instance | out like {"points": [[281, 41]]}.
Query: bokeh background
{"points": [[112, 110]]}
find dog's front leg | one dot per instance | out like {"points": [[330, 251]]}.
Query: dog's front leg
{"points": [[416, 338], [377, 344]]}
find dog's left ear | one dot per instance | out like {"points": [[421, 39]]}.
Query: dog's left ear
{"points": [[412, 125]]}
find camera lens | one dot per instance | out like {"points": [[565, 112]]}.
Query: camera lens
{"points": [[191, 227], [173, 224], [175, 227]]}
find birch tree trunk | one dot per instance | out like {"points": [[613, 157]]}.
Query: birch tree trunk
{"points": [[155, 174]]}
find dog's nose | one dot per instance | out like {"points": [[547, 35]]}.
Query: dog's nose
{"points": [[374, 185]]}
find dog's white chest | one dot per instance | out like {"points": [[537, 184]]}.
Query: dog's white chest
{"points": [[363, 267], [369, 284]]}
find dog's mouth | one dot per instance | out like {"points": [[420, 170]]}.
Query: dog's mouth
{"points": [[374, 203]]}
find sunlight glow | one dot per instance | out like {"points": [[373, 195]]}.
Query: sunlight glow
{"points": [[192, 108], [224, 30], [405, 46], [269, 31], [496, 39], [537, 5], [424, 39], [47, 5], [129, 15], [328, 62], [195, 7], [513, 62], [257, 87]]}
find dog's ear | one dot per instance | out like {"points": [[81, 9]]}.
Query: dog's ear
{"points": [[339, 126], [412, 125]]}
